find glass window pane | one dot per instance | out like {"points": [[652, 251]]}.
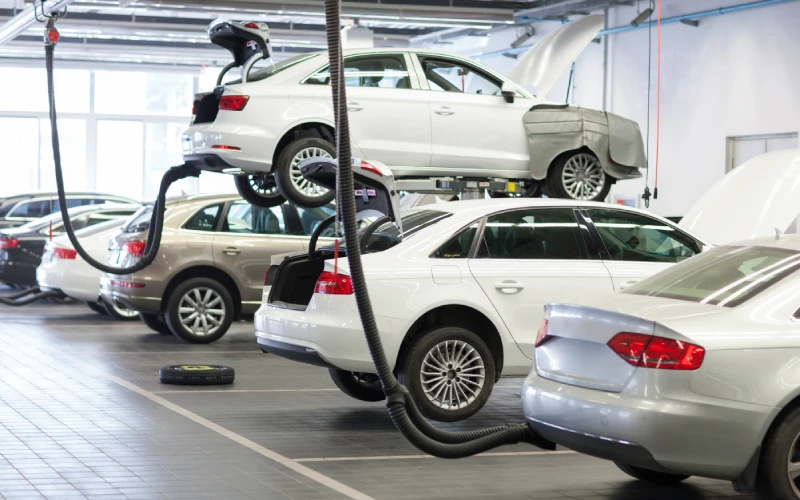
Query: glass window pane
{"points": [[120, 158], [452, 77], [72, 89], [310, 218], [247, 219], [162, 150], [133, 92], [545, 233], [23, 133], [34, 209], [72, 142], [384, 71], [459, 245], [635, 237], [204, 220]]}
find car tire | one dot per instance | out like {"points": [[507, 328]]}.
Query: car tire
{"points": [[155, 323], [120, 313], [433, 348], [259, 190], [360, 386], [780, 448], [650, 476], [204, 295], [61, 301], [290, 181], [98, 308], [565, 174], [196, 375]]}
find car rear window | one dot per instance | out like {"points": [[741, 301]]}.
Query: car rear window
{"points": [[387, 235], [140, 221], [273, 69], [723, 276]]}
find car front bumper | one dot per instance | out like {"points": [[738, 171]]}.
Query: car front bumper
{"points": [[656, 425], [133, 293]]}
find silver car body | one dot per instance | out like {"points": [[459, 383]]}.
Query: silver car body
{"points": [[707, 422]]}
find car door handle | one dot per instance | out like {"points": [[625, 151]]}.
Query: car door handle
{"points": [[628, 284], [231, 251], [509, 287], [354, 106], [444, 111]]}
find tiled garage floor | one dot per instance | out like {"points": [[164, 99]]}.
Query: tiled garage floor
{"points": [[82, 415]]}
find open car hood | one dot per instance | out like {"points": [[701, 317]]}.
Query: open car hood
{"points": [[544, 63], [752, 201]]}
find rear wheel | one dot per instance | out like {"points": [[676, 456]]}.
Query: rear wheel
{"points": [[289, 179], [360, 386], [259, 190], [779, 468], [200, 310], [155, 323], [578, 176], [449, 372], [97, 307], [650, 476]]}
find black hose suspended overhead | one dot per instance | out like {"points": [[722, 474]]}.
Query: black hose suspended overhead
{"points": [[405, 415], [157, 219]]}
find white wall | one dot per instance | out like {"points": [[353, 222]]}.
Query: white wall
{"points": [[735, 74]]}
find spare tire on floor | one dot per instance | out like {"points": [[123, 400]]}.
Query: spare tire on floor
{"points": [[196, 375]]}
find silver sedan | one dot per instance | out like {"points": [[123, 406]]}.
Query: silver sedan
{"points": [[693, 371]]}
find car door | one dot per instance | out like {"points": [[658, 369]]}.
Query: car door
{"points": [[531, 257], [635, 246], [247, 238], [389, 118], [473, 129]]}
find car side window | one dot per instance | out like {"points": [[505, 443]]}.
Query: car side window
{"points": [[544, 233], [33, 209], [381, 70], [78, 222], [310, 218], [244, 218], [458, 246], [634, 237], [204, 220], [451, 76]]}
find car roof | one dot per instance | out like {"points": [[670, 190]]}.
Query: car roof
{"points": [[459, 207], [188, 198], [785, 241]]}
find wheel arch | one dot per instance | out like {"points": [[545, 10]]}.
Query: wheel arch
{"points": [[314, 128], [461, 316], [205, 271]]}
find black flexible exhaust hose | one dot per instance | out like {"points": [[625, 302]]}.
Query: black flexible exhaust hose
{"points": [[28, 296], [157, 219], [404, 413]]}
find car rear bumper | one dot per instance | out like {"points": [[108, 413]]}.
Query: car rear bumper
{"points": [[656, 428], [133, 293], [329, 329], [17, 273], [251, 147]]}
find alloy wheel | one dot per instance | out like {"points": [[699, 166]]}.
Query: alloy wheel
{"points": [[201, 311], [793, 465], [302, 184], [263, 184], [583, 177], [452, 374]]}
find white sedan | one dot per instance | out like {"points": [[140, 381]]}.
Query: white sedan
{"points": [[458, 295], [420, 112], [63, 269]]}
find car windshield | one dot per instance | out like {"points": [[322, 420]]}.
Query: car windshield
{"points": [[723, 276]]}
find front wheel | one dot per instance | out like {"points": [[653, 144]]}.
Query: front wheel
{"points": [[650, 476], [778, 476], [578, 176], [259, 190], [199, 310], [449, 372], [360, 386], [289, 179]]}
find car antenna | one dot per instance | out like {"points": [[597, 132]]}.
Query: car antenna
{"points": [[778, 233]]}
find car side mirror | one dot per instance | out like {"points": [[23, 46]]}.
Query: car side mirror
{"points": [[508, 92]]}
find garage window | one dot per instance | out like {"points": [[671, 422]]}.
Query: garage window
{"points": [[546, 233], [383, 71]]}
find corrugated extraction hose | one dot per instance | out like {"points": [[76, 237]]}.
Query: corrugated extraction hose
{"points": [[404, 413], [157, 219]]}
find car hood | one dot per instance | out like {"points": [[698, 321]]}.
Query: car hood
{"points": [[751, 201], [544, 63]]}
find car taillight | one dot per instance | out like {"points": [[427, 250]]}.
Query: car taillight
{"points": [[542, 336], [334, 284], [8, 243], [266, 275], [251, 25], [369, 167], [233, 102], [134, 247], [647, 351], [65, 253]]}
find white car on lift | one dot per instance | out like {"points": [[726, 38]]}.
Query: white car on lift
{"points": [[422, 113], [64, 270], [459, 293]]}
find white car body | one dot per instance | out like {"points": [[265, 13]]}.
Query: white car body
{"points": [[75, 277], [406, 284]]}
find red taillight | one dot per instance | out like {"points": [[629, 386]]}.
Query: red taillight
{"points": [[64, 253], [334, 284], [657, 352], [8, 243], [251, 25], [233, 102], [223, 146], [134, 247], [266, 274], [542, 336], [127, 284], [193, 108], [371, 168]]}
